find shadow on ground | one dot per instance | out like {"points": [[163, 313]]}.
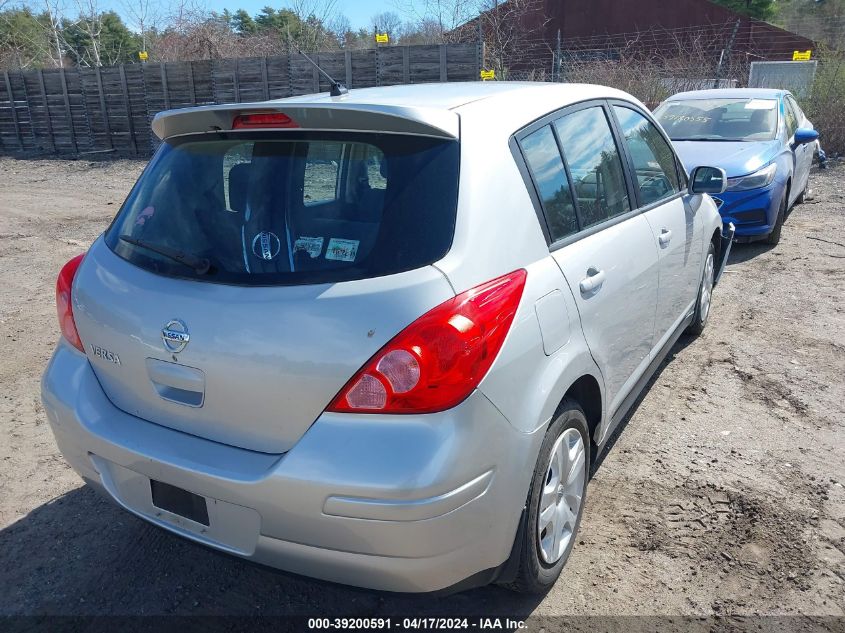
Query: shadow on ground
{"points": [[743, 252], [87, 557], [679, 345]]}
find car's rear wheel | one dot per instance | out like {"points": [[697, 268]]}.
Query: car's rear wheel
{"points": [[555, 501], [705, 293], [774, 237]]}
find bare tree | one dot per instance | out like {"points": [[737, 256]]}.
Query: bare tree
{"points": [[511, 30], [318, 21], [90, 22], [192, 33], [53, 10], [142, 15], [388, 22], [442, 19]]}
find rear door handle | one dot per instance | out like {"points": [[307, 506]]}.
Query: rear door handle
{"points": [[665, 237], [593, 281]]}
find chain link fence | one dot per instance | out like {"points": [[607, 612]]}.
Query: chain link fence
{"points": [[653, 65]]}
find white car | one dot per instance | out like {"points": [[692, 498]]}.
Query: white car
{"points": [[378, 338]]}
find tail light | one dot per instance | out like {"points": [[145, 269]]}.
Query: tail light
{"points": [[436, 362], [64, 307], [262, 120]]}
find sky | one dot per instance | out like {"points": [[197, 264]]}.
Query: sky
{"points": [[359, 12]]}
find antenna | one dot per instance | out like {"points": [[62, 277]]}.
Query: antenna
{"points": [[337, 89]]}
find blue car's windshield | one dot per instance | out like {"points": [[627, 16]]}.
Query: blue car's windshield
{"points": [[719, 119]]}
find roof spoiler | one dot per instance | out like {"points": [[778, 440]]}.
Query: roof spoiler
{"points": [[348, 117]]}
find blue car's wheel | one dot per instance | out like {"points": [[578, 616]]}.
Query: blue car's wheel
{"points": [[774, 237]]}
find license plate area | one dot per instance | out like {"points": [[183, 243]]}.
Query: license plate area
{"points": [[179, 501]]}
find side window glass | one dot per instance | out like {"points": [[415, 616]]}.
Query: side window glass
{"points": [[235, 179], [791, 120], [366, 180], [799, 114], [595, 165], [376, 168], [322, 168], [654, 160], [543, 157]]}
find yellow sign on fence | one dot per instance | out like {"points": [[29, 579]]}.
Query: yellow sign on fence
{"points": [[382, 38], [488, 74], [143, 56], [801, 56]]}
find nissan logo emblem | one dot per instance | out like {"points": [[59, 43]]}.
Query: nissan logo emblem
{"points": [[266, 245], [175, 336]]}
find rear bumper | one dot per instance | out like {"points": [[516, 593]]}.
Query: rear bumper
{"points": [[399, 503]]}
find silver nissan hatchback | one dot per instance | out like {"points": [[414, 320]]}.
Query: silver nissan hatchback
{"points": [[379, 338]]}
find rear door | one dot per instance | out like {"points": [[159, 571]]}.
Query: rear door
{"points": [[603, 246], [675, 225]]}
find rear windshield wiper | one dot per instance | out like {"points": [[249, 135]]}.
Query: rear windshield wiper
{"points": [[200, 265]]}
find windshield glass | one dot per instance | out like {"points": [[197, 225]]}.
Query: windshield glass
{"points": [[719, 119], [290, 207]]}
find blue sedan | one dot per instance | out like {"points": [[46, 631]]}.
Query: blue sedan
{"points": [[763, 141]]}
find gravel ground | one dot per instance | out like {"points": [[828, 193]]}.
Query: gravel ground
{"points": [[722, 494]]}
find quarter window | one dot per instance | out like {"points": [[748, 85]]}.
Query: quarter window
{"points": [[238, 155], [543, 157], [321, 172], [653, 158], [594, 165]]}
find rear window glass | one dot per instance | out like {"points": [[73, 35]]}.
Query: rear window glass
{"points": [[290, 208]]}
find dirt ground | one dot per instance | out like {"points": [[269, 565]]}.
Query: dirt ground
{"points": [[723, 493]]}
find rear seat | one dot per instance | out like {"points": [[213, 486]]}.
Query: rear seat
{"points": [[350, 228]]}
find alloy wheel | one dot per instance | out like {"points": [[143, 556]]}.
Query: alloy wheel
{"points": [[561, 497], [706, 288]]}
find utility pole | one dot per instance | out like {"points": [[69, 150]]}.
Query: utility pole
{"points": [[726, 53], [481, 47], [557, 74]]}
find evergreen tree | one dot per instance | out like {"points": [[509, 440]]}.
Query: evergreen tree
{"points": [[760, 9]]}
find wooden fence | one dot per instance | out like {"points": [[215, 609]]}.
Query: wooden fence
{"points": [[88, 110]]}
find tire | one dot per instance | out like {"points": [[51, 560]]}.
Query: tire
{"points": [[802, 197], [705, 293], [541, 558], [774, 237]]}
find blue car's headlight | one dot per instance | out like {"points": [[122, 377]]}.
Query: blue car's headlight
{"points": [[760, 178]]}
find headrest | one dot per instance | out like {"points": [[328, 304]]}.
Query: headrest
{"points": [[239, 186], [759, 117]]}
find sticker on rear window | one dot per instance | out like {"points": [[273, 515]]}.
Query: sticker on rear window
{"points": [[342, 250], [311, 245]]}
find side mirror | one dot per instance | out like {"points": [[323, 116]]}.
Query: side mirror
{"points": [[708, 180], [804, 135]]}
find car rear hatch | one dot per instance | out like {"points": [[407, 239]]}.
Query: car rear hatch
{"points": [[251, 273]]}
